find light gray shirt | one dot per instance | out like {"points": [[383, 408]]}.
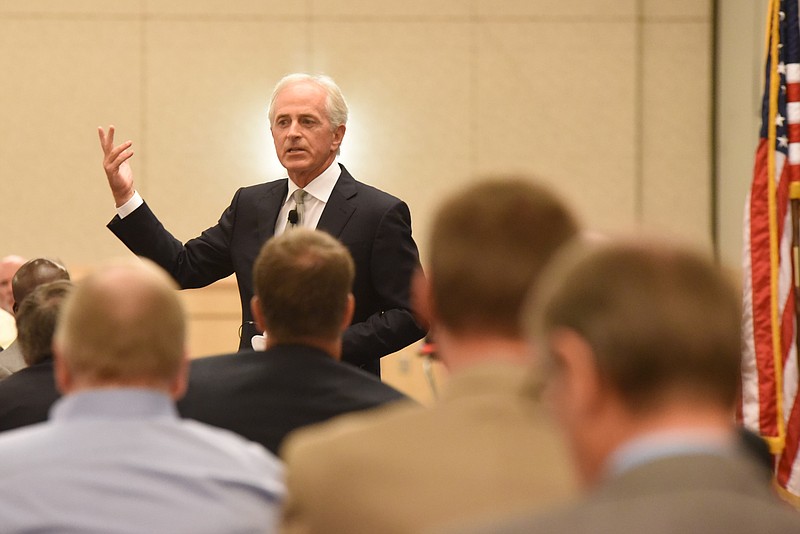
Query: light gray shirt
{"points": [[122, 461]]}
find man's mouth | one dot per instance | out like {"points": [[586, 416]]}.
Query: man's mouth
{"points": [[294, 150]]}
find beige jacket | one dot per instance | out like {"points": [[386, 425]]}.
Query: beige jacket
{"points": [[486, 447]]}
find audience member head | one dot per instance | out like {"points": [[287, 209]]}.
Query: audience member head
{"points": [[489, 243], [303, 281], [37, 317], [8, 266], [122, 326], [640, 337], [34, 273]]}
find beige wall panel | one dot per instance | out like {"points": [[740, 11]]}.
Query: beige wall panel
{"points": [[212, 335], [59, 86], [55, 8], [271, 8], [676, 150], [551, 9], [740, 57], [207, 132], [557, 101], [407, 85], [657, 9], [354, 9]]}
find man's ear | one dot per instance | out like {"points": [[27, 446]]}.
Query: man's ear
{"points": [[258, 315], [422, 299], [177, 388], [576, 373], [350, 308], [338, 137]]}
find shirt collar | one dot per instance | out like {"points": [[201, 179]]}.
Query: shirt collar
{"points": [[114, 403], [322, 186], [659, 445], [492, 378]]}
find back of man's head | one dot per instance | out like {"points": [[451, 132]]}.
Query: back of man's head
{"points": [[489, 244], [123, 325], [34, 273], [661, 321], [303, 280], [37, 318]]}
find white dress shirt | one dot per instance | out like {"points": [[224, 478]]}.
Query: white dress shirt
{"points": [[319, 191]]}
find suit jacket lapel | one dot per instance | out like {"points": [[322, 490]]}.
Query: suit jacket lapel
{"points": [[268, 206], [339, 207]]}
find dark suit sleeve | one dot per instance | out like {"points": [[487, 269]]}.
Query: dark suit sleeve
{"points": [[198, 263], [393, 262]]}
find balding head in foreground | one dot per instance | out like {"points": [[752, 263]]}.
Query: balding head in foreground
{"points": [[123, 326]]}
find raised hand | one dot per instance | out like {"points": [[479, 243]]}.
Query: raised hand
{"points": [[115, 163]]}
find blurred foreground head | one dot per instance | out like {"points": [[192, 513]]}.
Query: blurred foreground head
{"points": [[122, 326], [639, 336], [489, 243]]}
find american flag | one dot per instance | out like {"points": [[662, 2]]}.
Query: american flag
{"points": [[770, 405]]}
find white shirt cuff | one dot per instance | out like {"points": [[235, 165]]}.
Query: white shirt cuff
{"points": [[131, 205]]}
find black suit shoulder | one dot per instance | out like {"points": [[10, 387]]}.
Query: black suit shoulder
{"points": [[27, 395], [265, 395]]}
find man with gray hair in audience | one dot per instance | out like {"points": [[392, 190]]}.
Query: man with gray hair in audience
{"points": [[114, 456], [642, 343], [27, 277], [27, 395]]}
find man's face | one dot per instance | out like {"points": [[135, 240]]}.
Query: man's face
{"points": [[8, 267], [304, 141]]}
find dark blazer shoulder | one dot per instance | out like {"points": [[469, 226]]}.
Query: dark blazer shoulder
{"points": [[351, 188]]}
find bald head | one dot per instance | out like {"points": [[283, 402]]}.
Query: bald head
{"points": [[123, 325], [8, 267], [32, 274]]}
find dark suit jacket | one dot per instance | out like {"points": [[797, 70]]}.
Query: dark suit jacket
{"points": [[27, 395], [373, 225], [703, 494], [265, 395]]}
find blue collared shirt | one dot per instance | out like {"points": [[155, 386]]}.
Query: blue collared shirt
{"points": [[121, 460]]}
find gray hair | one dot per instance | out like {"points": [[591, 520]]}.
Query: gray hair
{"points": [[335, 106]]}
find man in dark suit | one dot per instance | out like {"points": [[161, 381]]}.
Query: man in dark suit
{"points": [[308, 118], [27, 395], [643, 343], [304, 303]]}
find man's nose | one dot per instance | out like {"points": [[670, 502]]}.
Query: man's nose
{"points": [[294, 129]]}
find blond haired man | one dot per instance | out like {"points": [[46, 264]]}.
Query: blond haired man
{"points": [[486, 445], [114, 456]]}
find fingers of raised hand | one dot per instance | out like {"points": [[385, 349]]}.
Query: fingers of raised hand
{"points": [[106, 139], [117, 155]]}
